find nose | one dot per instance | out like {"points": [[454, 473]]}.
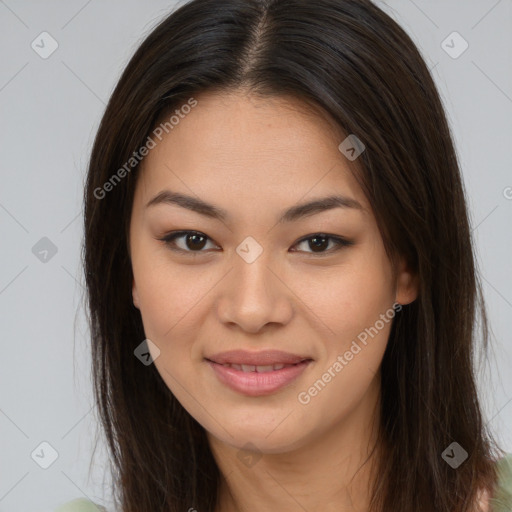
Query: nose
{"points": [[255, 294]]}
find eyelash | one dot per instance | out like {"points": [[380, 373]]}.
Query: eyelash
{"points": [[170, 238]]}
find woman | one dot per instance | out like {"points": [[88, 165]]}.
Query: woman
{"points": [[280, 274]]}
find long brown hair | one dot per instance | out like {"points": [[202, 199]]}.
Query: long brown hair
{"points": [[352, 62]]}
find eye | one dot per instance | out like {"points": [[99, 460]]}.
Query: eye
{"points": [[195, 241], [320, 241]]}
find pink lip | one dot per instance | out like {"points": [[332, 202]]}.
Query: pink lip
{"points": [[258, 384], [262, 358]]}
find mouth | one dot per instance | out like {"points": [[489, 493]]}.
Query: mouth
{"points": [[257, 374], [258, 369], [263, 358]]}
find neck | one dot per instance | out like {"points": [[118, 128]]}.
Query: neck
{"points": [[333, 469]]}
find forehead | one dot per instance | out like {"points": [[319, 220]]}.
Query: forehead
{"points": [[258, 149]]}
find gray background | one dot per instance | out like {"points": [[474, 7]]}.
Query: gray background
{"points": [[50, 109]]}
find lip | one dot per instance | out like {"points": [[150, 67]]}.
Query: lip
{"points": [[255, 383], [261, 358]]}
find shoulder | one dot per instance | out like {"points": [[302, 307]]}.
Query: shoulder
{"points": [[505, 466], [502, 499], [80, 505]]}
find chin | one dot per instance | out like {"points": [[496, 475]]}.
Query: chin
{"points": [[262, 436]]}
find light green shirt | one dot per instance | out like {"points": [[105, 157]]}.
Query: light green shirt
{"points": [[501, 502], [502, 499], [80, 505]]}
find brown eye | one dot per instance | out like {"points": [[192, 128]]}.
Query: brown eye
{"points": [[192, 241], [319, 242]]}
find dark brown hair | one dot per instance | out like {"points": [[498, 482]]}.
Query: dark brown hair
{"points": [[352, 62]]}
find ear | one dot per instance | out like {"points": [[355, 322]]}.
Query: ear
{"points": [[407, 284], [135, 295]]}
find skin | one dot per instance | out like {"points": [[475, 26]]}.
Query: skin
{"points": [[255, 158]]}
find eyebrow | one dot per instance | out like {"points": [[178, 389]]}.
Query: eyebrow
{"points": [[290, 215]]}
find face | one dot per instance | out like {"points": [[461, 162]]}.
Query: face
{"points": [[310, 284]]}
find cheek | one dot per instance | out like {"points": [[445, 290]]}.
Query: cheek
{"points": [[169, 295], [167, 298], [347, 298]]}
